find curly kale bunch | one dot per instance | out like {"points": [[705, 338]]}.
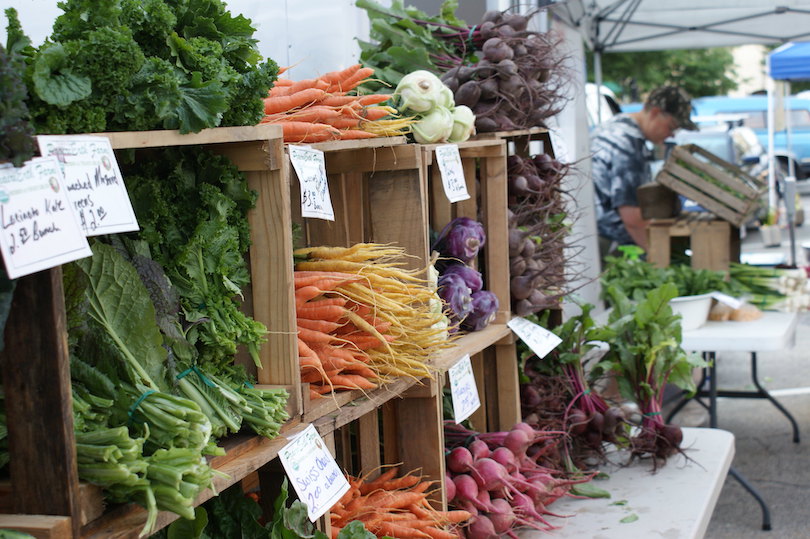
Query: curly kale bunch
{"points": [[16, 133], [131, 65]]}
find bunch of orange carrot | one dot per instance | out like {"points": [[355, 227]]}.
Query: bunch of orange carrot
{"points": [[321, 109], [334, 334], [369, 310], [395, 506]]}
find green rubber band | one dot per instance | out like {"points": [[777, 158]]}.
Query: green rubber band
{"points": [[470, 34], [199, 373], [586, 392], [247, 384], [138, 402], [648, 414]]}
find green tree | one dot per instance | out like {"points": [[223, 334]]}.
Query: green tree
{"points": [[700, 72]]}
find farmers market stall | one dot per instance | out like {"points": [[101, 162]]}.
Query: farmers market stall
{"points": [[322, 288]]}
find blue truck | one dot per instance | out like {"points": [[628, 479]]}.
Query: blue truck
{"points": [[753, 111]]}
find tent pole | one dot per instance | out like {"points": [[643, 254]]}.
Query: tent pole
{"points": [[771, 155], [597, 75]]}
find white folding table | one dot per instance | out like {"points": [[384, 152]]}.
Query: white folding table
{"points": [[773, 332]]}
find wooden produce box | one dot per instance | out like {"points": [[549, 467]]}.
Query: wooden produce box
{"points": [[720, 187], [378, 194], [36, 365], [484, 165], [518, 142]]}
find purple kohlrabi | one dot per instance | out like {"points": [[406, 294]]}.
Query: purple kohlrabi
{"points": [[471, 276], [461, 239], [456, 295], [484, 307]]}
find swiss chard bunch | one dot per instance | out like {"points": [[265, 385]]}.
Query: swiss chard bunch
{"points": [[117, 65]]}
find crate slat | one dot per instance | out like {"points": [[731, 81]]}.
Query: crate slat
{"points": [[716, 192]]}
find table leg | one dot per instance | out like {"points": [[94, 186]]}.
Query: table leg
{"points": [[765, 394], [766, 513], [710, 357]]}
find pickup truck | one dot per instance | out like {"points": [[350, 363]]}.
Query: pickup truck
{"points": [[754, 112]]}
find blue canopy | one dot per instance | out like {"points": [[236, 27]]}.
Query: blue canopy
{"points": [[791, 61]]}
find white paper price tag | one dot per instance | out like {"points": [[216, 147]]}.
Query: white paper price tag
{"points": [[449, 161], [310, 168], [39, 229], [463, 389], [313, 472], [732, 302], [93, 182], [539, 339]]}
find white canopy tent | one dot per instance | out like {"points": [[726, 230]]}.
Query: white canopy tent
{"points": [[646, 25]]}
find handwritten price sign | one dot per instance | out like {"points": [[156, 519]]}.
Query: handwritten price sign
{"points": [[39, 230], [310, 168], [93, 182], [449, 161], [463, 389], [539, 339], [313, 472]]}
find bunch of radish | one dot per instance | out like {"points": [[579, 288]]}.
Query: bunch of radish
{"points": [[539, 251], [492, 476], [520, 79]]}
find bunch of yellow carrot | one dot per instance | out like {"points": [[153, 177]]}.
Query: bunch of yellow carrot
{"points": [[395, 506], [321, 109], [362, 318]]}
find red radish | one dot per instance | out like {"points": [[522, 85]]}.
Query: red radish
{"points": [[503, 517], [449, 487], [505, 457], [479, 449], [481, 528], [459, 460], [467, 490]]}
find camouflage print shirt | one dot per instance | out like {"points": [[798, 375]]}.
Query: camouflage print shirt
{"points": [[620, 163]]}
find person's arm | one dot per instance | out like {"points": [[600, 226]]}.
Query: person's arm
{"points": [[636, 226]]}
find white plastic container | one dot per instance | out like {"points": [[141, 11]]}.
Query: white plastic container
{"points": [[694, 310]]}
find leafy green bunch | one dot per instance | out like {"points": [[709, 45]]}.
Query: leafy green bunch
{"points": [[644, 341], [405, 39], [130, 65], [636, 277]]}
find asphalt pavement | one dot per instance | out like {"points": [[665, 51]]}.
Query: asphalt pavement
{"points": [[765, 452]]}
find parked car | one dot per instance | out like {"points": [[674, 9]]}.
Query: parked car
{"points": [[753, 111]]}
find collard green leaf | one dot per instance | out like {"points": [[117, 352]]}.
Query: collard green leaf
{"points": [[120, 304], [189, 529], [55, 81], [355, 530]]}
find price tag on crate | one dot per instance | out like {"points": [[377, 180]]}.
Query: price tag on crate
{"points": [[39, 229], [310, 168], [463, 389], [449, 161], [732, 302], [313, 472], [93, 182], [539, 339]]}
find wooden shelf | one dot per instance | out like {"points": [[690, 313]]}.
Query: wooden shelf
{"points": [[244, 455]]}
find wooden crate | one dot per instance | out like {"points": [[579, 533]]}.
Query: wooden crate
{"points": [[484, 165], [715, 243], [720, 187], [518, 142], [378, 195], [36, 365]]}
